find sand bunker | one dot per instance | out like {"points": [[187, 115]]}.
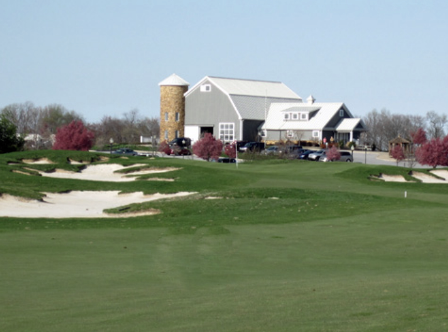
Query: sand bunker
{"points": [[392, 178], [77, 204], [427, 178], [37, 161], [440, 173], [107, 173]]}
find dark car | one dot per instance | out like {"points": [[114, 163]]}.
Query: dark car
{"points": [[178, 151], [304, 155], [240, 144], [180, 141], [126, 152], [226, 160], [253, 146]]}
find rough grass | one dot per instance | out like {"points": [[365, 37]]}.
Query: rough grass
{"points": [[284, 246]]}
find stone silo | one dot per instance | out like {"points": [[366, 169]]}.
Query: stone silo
{"points": [[172, 107]]}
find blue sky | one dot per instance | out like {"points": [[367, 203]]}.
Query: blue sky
{"points": [[106, 57]]}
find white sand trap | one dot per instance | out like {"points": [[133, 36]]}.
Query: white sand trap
{"points": [[440, 173], [77, 204], [426, 178], [37, 161], [106, 173], [392, 178]]}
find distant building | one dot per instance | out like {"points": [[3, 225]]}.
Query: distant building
{"points": [[250, 110]]}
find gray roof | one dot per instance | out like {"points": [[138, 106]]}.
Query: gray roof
{"points": [[255, 108], [250, 98]]}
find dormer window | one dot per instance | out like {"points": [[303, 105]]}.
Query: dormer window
{"points": [[341, 112], [304, 116], [295, 116], [206, 88], [286, 116]]}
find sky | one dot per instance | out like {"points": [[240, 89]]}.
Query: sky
{"points": [[107, 57]]}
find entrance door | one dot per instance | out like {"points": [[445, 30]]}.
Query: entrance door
{"points": [[206, 130]]}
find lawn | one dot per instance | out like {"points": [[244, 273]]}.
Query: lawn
{"points": [[285, 246]]}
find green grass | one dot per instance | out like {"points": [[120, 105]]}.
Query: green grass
{"points": [[289, 246]]}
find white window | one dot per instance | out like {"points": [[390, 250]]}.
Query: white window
{"points": [[315, 133], [227, 132], [295, 116], [290, 133], [177, 116], [263, 133], [166, 116], [206, 88], [341, 112], [286, 116], [176, 134], [166, 134], [303, 116]]}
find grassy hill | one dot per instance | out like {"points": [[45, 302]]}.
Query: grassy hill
{"points": [[284, 246]]}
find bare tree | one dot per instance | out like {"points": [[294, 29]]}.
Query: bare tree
{"points": [[436, 124]]}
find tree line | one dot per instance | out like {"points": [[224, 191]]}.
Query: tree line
{"points": [[383, 126], [39, 125]]}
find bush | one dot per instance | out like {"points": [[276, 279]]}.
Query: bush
{"points": [[74, 136], [9, 141], [208, 147]]}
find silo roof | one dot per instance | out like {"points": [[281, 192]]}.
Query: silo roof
{"points": [[174, 80]]}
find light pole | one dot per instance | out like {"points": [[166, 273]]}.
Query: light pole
{"points": [[365, 155], [353, 149], [111, 141]]}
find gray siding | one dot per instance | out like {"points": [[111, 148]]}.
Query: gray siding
{"points": [[210, 109]]}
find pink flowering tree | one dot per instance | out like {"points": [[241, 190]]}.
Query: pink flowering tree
{"points": [[164, 147], [433, 153], [397, 153], [419, 136], [208, 147], [73, 136], [230, 150], [333, 154]]}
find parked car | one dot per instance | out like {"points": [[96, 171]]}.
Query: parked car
{"points": [[345, 156], [295, 154], [180, 141], [226, 160], [272, 150], [240, 144], [253, 146], [178, 151], [315, 156], [125, 151], [304, 155]]}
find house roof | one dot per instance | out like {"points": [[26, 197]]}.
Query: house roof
{"points": [[174, 80], [250, 98], [348, 125], [399, 140], [253, 88], [326, 111], [256, 108]]}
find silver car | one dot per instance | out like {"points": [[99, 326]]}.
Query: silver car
{"points": [[315, 156], [345, 156]]}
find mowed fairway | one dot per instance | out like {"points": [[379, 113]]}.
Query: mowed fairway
{"points": [[283, 246]]}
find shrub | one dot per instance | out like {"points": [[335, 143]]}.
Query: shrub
{"points": [[397, 153], [333, 154], [208, 147], [9, 141], [74, 136], [433, 153], [164, 147]]}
